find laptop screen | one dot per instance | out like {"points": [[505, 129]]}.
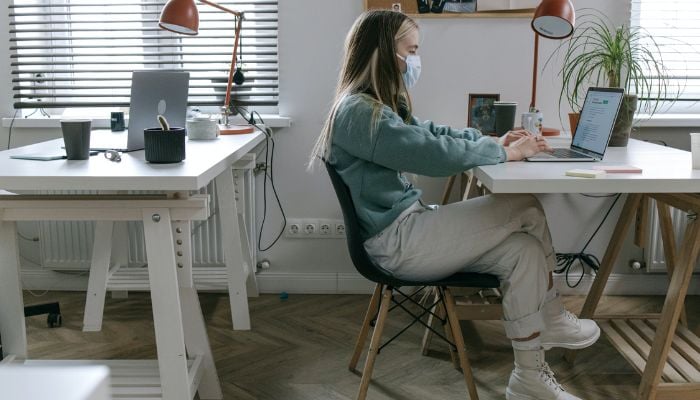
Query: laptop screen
{"points": [[597, 119]]}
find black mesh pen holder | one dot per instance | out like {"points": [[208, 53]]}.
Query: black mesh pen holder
{"points": [[164, 146]]}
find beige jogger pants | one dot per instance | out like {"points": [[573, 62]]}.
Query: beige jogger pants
{"points": [[505, 235]]}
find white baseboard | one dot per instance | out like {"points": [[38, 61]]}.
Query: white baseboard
{"points": [[330, 283]]}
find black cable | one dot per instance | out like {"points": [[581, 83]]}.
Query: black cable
{"points": [[269, 155], [565, 261], [656, 140], [277, 198], [598, 196], [21, 236], [9, 133]]}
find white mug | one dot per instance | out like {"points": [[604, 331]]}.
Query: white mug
{"points": [[532, 122], [202, 128], [695, 149]]}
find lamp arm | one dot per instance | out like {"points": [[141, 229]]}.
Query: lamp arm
{"points": [[222, 8], [239, 21], [533, 101]]}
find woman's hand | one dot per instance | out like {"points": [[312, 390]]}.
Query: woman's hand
{"points": [[526, 146], [512, 136]]}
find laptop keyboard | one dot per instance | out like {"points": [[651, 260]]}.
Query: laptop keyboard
{"points": [[566, 153]]}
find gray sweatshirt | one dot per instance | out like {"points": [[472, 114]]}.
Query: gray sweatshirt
{"points": [[371, 158]]}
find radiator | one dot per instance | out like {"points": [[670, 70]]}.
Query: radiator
{"points": [[654, 253], [68, 245]]}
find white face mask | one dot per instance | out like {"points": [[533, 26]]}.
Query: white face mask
{"points": [[413, 68]]}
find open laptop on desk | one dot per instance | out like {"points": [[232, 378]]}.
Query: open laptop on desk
{"points": [[594, 128], [152, 93]]}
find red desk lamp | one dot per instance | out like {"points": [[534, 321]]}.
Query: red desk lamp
{"points": [[181, 16], [553, 19]]}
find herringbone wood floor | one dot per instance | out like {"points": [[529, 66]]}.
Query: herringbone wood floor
{"points": [[299, 349]]}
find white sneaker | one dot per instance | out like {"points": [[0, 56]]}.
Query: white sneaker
{"points": [[533, 380], [564, 329]]}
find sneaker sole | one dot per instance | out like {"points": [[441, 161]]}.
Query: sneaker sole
{"points": [[573, 346], [517, 396]]}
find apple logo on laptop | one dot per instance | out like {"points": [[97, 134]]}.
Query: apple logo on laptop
{"points": [[161, 107]]}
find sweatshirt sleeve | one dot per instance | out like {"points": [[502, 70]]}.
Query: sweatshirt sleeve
{"points": [[437, 130], [411, 148]]}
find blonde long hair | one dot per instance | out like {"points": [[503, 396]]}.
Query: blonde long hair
{"points": [[370, 67]]}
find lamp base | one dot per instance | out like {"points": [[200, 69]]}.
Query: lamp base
{"points": [[550, 131], [235, 129]]}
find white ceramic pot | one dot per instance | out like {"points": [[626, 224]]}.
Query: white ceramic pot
{"points": [[202, 129]]}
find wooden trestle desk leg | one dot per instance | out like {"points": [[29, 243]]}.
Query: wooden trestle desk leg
{"points": [[673, 305], [669, 241], [448, 189], [627, 216], [466, 179]]}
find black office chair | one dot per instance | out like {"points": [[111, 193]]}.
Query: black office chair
{"points": [[53, 320], [53, 311], [385, 288]]}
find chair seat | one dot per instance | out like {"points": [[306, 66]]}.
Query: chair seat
{"points": [[460, 279]]}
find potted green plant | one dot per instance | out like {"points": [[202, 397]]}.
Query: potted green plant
{"points": [[598, 54]]}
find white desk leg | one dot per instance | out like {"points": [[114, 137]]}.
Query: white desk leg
{"points": [[233, 256], [165, 299], [12, 325], [245, 203], [196, 339], [99, 273], [251, 282], [120, 253], [182, 234]]}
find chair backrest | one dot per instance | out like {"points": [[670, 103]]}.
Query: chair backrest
{"points": [[362, 261]]}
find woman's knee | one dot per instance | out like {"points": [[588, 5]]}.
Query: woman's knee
{"points": [[525, 201], [525, 244]]}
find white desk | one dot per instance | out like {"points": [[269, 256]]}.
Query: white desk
{"points": [[185, 364], [667, 358], [665, 170]]}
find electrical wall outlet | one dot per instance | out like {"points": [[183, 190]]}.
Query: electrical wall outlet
{"points": [[324, 228], [313, 228], [293, 228], [310, 228]]}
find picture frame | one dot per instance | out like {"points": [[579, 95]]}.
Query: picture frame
{"points": [[454, 8], [481, 113]]}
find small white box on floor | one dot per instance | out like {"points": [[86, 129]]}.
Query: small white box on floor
{"points": [[59, 382]]}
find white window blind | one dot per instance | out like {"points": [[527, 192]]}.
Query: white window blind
{"points": [[674, 26], [80, 53]]}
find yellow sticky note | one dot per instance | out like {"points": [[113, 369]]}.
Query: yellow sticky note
{"points": [[586, 173]]}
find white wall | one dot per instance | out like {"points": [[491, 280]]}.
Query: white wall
{"points": [[459, 56]]}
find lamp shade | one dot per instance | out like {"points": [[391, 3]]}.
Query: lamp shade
{"points": [[554, 19], [180, 16]]}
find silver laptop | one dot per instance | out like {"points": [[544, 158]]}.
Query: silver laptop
{"points": [[152, 93], [594, 128]]}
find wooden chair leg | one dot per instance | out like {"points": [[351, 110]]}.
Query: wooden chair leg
{"points": [[442, 312], [472, 189], [453, 321], [374, 343], [428, 334], [364, 331]]}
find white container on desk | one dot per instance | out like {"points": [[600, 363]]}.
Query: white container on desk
{"points": [[695, 149], [59, 382]]}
